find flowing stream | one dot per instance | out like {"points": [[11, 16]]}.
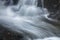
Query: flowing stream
{"points": [[27, 20]]}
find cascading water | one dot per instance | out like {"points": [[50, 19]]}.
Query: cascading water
{"points": [[32, 26], [28, 2], [26, 6]]}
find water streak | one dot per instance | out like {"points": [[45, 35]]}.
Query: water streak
{"points": [[28, 25]]}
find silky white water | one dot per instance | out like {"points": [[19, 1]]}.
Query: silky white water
{"points": [[26, 19]]}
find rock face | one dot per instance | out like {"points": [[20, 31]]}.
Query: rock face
{"points": [[56, 12], [53, 7], [51, 4]]}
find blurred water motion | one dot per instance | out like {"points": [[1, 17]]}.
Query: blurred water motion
{"points": [[26, 17]]}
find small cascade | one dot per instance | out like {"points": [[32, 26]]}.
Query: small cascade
{"points": [[28, 8], [29, 2], [33, 27]]}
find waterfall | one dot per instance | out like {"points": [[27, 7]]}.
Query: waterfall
{"points": [[33, 27], [28, 8], [28, 2], [42, 1]]}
